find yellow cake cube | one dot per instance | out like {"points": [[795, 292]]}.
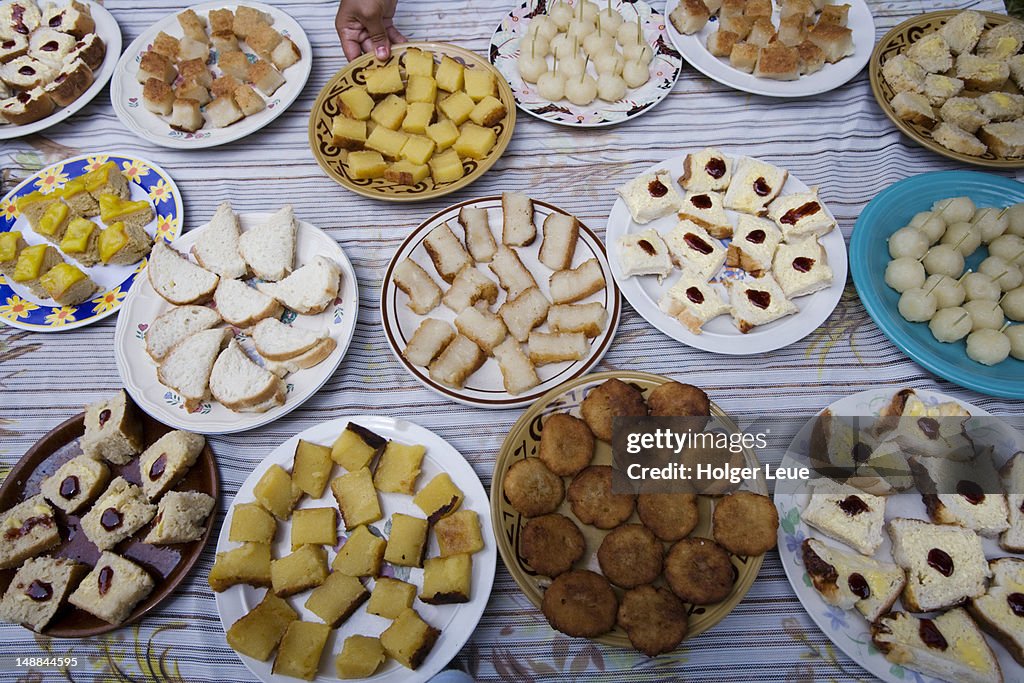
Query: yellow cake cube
{"points": [[386, 141], [356, 498], [389, 112], [408, 540], [398, 468], [444, 133], [277, 492], [405, 172], [249, 564], [348, 133], [337, 598], [439, 498], [479, 83], [417, 117], [450, 75], [418, 63], [360, 657], [457, 107], [475, 142], [304, 568], [409, 639], [300, 650], [459, 533], [366, 165], [318, 526], [488, 111], [446, 167], [258, 632], [447, 580], [356, 447], [361, 555], [384, 79], [390, 597], [251, 522], [312, 468], [421, 89], [356, 103], [418, 149]]}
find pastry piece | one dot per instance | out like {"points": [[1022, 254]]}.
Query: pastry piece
{"points": [[337, 598], [699, 571], [112, 589], [11, 245], [447, 252], [931, 52], [551, 544], [300, 650], [517, 372], [75, 483], [167, 460], [512, 275], [269, 248], [12, 46], [265, 77], [21, 17], [285, 55], [758, 302], [644, 253], [1000, 106], [177, 279], [963, 112], [187, 368], [630, 556], [914, 107], [846, 514], [834, 40], [568, 286], [981, 73], [1005, 139], [247, 564], [966, 493], [800, 215], [654, 619], [308, 290], [650, 196], [469, 287], [460, 359], [156, 66], [179, 518], [81, 241], [705, 209], [706, 171], [557, 347], [1000, 42], [424, 295], [29, 528], [755, 184], [745, 523], [428, 341], [1012, 474], [580, 603], [357, 498], [67, 285], [50, 46], [753, 245], [121, 245], [409, 639], [479, 239], [247, 20], [849, 580], [356, 447], [117, 514], [242, 385], [76, 195], [439, 498], [694, 302], [963, 31], [166, 45], [744, 55], [360, 657], [561, 231], [258, 632], [694, 250], [113, 430], [90, 49], [518, 228], [801, 268], [175, 325], [26, 73], [398, 467], [33, 262], [361, 555], [223, 111], [390, 597], [781, 63], [314, 526], [407, 542], [945, 564], [593, 498], [311, 471], [483, 328], [447, 580], [690, 16], [939, 88], [586, 318], [303, 569], [998, 611], [73, 80], [39, 589]]}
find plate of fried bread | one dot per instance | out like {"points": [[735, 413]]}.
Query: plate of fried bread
{"points": [[238, 322], [379, 569], [494, 301], [728, 254], [642, 571], [75, 235], [102, 518], [798, 49], [53, 61], [211, 74], [906, 545], [951, 81], [426, 122]]}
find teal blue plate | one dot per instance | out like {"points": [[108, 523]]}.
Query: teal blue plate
{"points": [[869, 254]]}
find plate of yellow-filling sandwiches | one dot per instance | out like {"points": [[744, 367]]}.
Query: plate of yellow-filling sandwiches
{"points": [[360, 548]]}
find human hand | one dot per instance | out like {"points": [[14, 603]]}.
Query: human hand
{"points": [[367, 26]]}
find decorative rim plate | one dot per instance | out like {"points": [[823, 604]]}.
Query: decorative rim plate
{"points": [[895, 42], [504, 53], [138, 371], [523, 441], [720, 335], [456, 622], [485, 388], [126, 91], [20, 308], [890, 210], [332, 159], [830, 77], [107, 29]]}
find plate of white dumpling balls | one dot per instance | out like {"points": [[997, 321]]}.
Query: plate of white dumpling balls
{"points": [[585, 64], [938, 261]]}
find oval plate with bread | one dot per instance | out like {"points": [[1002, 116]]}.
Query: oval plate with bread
{"points": [[302, 374], [444, 156], [503, 376], [20, 305], [849, 630], [451, 619], [221, 115]]}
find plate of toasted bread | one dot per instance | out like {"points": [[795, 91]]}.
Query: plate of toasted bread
{"points": [[494, 301], [56, 59], [103, 518], [380, 568], [724, 253], [426, 122], [909, 552], [801, 49], [211, 74], [238, 322]]}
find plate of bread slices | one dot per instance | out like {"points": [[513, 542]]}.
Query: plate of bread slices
{"points": [[798, 49], [909, 552], [53, 61], [378, 569], [586, 64], [103, 517], [426, 122], [951, 80], [75, 235], [761, 263], [494, 301], [238, 322], [211, 74]]}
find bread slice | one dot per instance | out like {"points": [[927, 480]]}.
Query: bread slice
{"points": [[469, 287], [847, 579], [186, 369], [589, 318], [216, 249], [242, 306], [561, 232], [846, 514], [518, 229], [479, 238], [424, 294], [269, 249], [569, 286], [460, 359], [447, 252], [966, 493], [482, 327], [957, 139], [1000, 611], [517, 372], [556, 347], [177, 279], [241, 385], [276, 341], [948, 646], [754, 186], [310, 289], [963, 31], [316, 355], [525, 312], [428, 341], [1004, 139], [170, 328], [1012, 474], [513, 276]]}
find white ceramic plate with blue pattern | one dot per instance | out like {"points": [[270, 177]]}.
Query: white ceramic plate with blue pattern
{"points": [[848, 630], [126, 91]]}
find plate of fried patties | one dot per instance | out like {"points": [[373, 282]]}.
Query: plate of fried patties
{"points": [[642, 571]]}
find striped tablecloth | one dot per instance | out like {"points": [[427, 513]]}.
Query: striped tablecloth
{"points": [[839, 141]]}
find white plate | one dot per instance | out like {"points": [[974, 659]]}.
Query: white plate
{"points": [[126, 91], [664, 69], [485, 388], [110, 32], [831, 76], [456, 622], [848, 630], [720, 335], [138, 371]]}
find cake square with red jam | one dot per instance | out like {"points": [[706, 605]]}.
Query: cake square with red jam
{"points": [[167, 460], [75, 483], [117, 514], [26, 530], [38, 590], [112, 589], [753, 245], [693, 301]]}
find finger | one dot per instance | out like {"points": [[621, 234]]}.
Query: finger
{"points": [[379, 43], [395, 37], [351, 47]]}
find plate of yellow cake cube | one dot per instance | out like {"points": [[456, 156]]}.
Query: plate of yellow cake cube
{"points": [[75, 235], [360, 548], [428, 121]]}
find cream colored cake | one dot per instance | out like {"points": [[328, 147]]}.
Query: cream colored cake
{"points": [[117, 514], [849, 580], [112, 589], [846, 514], [38, 590], [949, 646], [167, 460], [75, 483]]}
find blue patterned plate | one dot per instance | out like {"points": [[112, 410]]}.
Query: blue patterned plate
{"points": [[21, 308]]}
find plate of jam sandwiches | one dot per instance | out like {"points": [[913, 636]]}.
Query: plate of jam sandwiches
{"points": [[75, 235], [724, 253], [53, 61], [102, 519], [906, 546]]}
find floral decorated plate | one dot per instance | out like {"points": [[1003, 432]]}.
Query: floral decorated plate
{"points": [[126, 91], [139, 372], [848, 630], [506, 46], [20, 308]]}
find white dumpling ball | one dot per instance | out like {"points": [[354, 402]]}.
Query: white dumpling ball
{"points": [[598, 43], [949, 325], [917, 305], [963, 236], [985, 315], [563, 47], [629, 33], [551, 85], [609, 20], [542, 26], [988, 347], [944, 260], [1016, 336], [1004, 273], [531, 67], [955, 209], [947, 291], [610, 63], [1015, 215], [934, 227], [587, 11], [610, 88], [1013, 304], [580, 30], [909, 242], [638, 52], [1009, 247], [573, 66], [991, 223], [538, 46], [561, 14], [635, 74], [981, 286], [581, 90], [904, 273]]}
